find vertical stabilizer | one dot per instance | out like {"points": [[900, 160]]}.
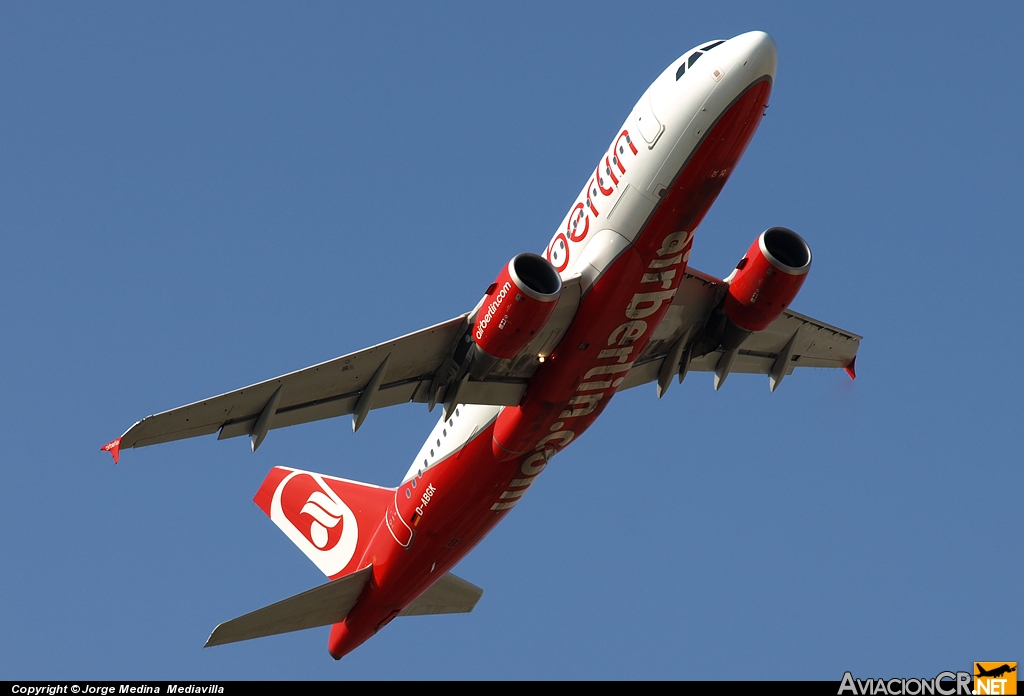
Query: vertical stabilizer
{"points": [[330, 519]]}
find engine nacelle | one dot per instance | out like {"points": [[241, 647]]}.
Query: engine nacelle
{"points": [[516, 307], [767, 279]]}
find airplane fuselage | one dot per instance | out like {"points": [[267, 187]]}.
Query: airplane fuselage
{"points": [[628, 235]]}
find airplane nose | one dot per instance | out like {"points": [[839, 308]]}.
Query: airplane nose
{"points": [[758, 52]]}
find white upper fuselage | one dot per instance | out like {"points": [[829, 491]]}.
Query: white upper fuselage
{"points": [[665, 126]]}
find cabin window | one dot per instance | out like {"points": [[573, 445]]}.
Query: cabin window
{"points": [[408, 493]]}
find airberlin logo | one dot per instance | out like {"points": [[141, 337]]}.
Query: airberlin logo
{"points": [[665, 273], [326, 515], [627, 340], [315, 518], [491, 309], [608, 180]]}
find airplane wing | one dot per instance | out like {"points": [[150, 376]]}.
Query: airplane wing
{"points": [[791, 341], [424, 367]]}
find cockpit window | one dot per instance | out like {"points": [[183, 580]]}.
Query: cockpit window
{"points": [[693, 58]]}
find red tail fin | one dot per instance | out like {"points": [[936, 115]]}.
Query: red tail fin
{"points": [[331, 520]]}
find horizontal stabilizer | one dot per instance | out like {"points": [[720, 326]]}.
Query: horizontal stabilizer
{"points": [[321, 606], [449, 595]]}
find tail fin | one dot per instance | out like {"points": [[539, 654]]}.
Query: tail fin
{"points": [[330, 519]]}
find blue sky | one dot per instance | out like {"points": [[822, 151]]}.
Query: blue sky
{"points": [[196, 197]]}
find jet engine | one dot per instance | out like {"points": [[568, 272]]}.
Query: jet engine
{"points": [[515, 308], [767, 279]]}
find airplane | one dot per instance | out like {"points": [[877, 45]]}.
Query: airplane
{"points": [[995, 671], [609, 305]]}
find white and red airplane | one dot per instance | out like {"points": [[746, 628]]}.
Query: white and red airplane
{"points": [[611, 304]]}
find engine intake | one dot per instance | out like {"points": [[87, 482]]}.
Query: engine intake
{"points": [[517, 306], [767, 279]]}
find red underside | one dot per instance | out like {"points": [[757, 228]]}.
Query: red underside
{"points": [[472, 482]]}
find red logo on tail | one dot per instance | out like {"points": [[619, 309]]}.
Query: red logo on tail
{"points": [[311, 511], [316, 519]]}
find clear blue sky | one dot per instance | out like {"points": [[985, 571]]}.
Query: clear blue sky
{"points": [[195, 197]]}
